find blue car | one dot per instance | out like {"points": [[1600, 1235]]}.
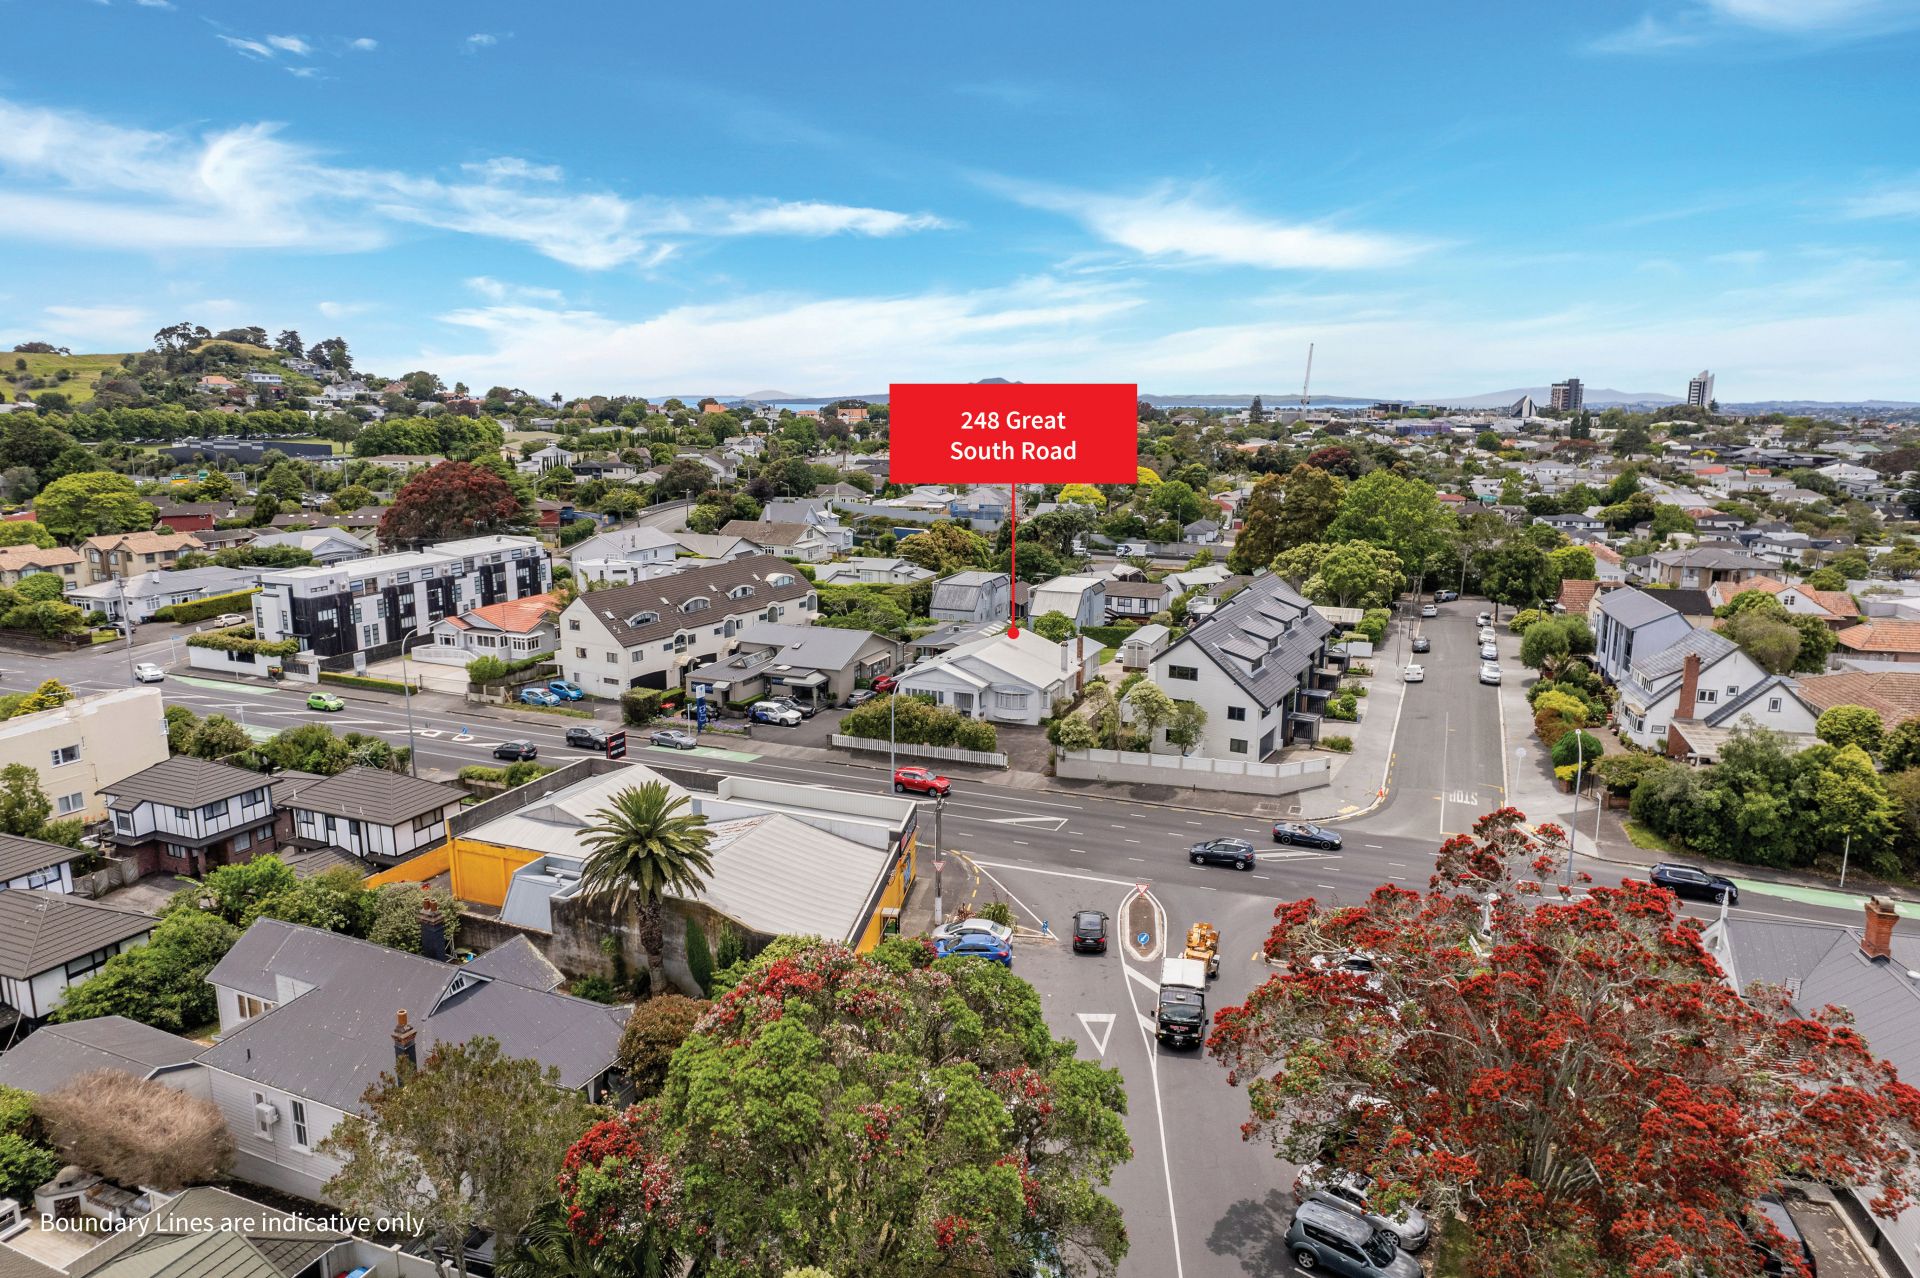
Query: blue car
{"points": [[974, 945], [564, 690], [538, 697]]}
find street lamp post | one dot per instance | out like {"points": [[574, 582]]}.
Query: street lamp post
{"points": [[893, 766], [413, 762], [1579, 775], [1846, 851], [126, 619], [939, 859]]}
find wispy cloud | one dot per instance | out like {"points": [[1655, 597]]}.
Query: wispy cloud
{"points": [[1192, 225], [497, 291], [343, 310], [250, 48], [97, 323], [1892, 200], [366, 44], [1820, 22], [267, 47], [290, 44], [154, 4], [480, 40], [72, 178]]}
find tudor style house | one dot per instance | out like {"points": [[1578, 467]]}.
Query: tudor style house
{"points": [[647, 634], [185, 815], [378, 816], [375, 605], [1258, 666]]}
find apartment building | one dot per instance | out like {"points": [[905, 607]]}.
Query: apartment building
{"points": [[369, 607], [646, 635], [80, 748]]}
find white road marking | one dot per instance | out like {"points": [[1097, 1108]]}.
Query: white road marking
{"points": [[1056, 874], [1135, 974], [1099, 1027], [1328, 886], [1374, 846], [1263, 876], [1153, 1069]]}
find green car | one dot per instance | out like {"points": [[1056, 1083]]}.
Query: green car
{"points": [[325, 701]]}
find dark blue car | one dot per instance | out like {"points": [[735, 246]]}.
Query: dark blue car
{"points": [[975, 945]]}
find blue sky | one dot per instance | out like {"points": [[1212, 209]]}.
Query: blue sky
{"points": [[1447, 199]]}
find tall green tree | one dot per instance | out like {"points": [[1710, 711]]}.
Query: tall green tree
{"points": [[644, 849], [79, 506], [945, 548], [1354, 574], [470, 1136], [1851, 725], [1259, 538], [1519, 574], [24, 806], [1312, 499], [1394, 511]]}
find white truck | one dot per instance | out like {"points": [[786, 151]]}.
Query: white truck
{"points": [[1182, 1017]]}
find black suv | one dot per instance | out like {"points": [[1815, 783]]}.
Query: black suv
{"points": [[587, 738], [1235, 852], [1306, 834], [1691, 881], [1089, 931]]}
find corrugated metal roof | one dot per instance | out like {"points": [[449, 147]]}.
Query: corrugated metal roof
{"points": [[55, 1054], [778, 875], [1632, 608]]}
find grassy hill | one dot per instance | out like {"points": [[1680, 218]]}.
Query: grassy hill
{"points": [[81, 369]]}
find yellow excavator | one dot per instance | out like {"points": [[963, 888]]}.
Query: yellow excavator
{"points": [[1203, 943]]}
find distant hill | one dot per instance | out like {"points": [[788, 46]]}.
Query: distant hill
{"points": [[81, 371], [1820, 405], [1268, 400], [1596, 398]]}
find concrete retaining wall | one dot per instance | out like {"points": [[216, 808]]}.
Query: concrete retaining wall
{"points": [[1194, 773]]}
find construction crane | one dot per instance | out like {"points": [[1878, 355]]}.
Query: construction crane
{"points": [[1306, 386]]}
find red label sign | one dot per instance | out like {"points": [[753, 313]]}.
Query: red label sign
{"points": [[996, 433]]}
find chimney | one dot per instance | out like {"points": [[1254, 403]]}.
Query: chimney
{"points": [[1689, 687], [433, 930], [1877, 942], [404, 1058]]}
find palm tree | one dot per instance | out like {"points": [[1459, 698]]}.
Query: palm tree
{"points": [[644, 848], [549, 1248]]}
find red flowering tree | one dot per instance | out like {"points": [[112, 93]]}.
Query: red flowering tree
{"points": [[1573, 1075], [452, 500], [870, 1115]]}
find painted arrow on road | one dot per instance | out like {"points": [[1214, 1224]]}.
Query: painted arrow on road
{"points": [[1099, 1027], [1042, 822]]}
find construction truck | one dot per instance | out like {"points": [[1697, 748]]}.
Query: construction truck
{"points": [[1181, 1020], [1203, 943]]}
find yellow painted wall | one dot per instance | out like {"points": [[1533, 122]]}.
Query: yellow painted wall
{"points": [[418, 870], [892, 898], [481, 871]]}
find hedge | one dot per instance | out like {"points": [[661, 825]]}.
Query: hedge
{"points": [[240, 639], [515, 669], [918, 721], [363, 681], [1109, 636], [1339, 745], [641, 706], [201, 609]]}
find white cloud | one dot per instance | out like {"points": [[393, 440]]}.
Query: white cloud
{"points": [[305, 73], [1700, 21], [249, 48], [1190, 225], [1816, 15], [290, 44], [481, 40], [1648, 35], [1895, 200], [98, 323], [75, 179], [343, 310], [496, 291], [154, 4], [366, 44]]}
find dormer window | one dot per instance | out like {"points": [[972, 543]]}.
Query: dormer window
{"points": [[639, 619], [780, 579], [700, 604], [740, 592]]}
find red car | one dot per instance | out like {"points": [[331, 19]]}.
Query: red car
{"points": [[921, 781], [884, 684]]}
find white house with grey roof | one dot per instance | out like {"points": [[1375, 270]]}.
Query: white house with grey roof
{"points": [[310, 1019], [373, 814], [1082, 600], [624, 555], [819, 665], [1005, 679], [328, 546], [870, 570], [1694, 676], [1258, 666], [1632, 624], [50, 940], [970, 596]]}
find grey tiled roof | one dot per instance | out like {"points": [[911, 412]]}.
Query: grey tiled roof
{"points": [[20, 856], [182, 782], [519, 962], [375, 795], [1632, 608], [814, 647], [1710, 645], [664, 595], [42, 930], [1268, 612]]}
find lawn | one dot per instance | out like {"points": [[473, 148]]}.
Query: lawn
{"points": [[1641, 837], [78, 388]]}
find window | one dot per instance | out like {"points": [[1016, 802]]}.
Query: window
{"points": [[71, 803], [1182, 672], [183, 814], [1236, 745], [740, 592], [253, 798], [1773, 705], [696, 605], [573, 623], [613, 658], [86, 963], [218, 808], [1708, 696], [1237, 713], [65, 755], [1733, 690], [580, 652], [300, 1124], [430, 821], [244, 839]]}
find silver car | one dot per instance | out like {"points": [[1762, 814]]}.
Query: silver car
{"points": [[1353, 1192]]}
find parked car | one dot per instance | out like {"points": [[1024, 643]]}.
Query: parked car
{"points": [[1323, 1237], [1487, 635], [1485, 619], [1306, 834], [960, 927], [587, 738], [538, 697], [1414, 673], [324, 701], [885, 684], [1089, 932], [1694, 882], [1422, 644], [1445, 596], [673, 739], [1235, 852], [564, 690], [1429, 610], [1488, 652], [860, 697], [147, 672], [516, 750], [806, 708], [1771, 1262], [1490, 672], [1353, 1192], [921, 781], [773, 712], [226, 619], [975, 945]]}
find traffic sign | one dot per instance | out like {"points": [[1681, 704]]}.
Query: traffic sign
{"points": [[939, 864], [1141, 886], [616, 745]]}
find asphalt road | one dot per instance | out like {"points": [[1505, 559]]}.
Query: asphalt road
{"points": [[1199, 1201]]}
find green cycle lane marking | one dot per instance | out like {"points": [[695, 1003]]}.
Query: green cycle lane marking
{"points": [[221, 685], [1827, 897]]}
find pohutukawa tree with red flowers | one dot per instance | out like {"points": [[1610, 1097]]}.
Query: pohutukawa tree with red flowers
{"points": [[449, 501], [1570, 1073]]}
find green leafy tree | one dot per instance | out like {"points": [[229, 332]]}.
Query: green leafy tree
{"points": [[1851, 725], [945, 548], [655, 1029], [180, 723], [1573, 563], [451, 500], [469, 1136], [1825, 579], [1354, 574], [1152, 708], [1189, 721], [218, 737], [25, 532], [1773, 643], [1394, 512], [162, 983], [869, 1114], [1845, 790], [1519, 573], [24, 806], [1057, 626], [393, 916], [352, 497], [1902, 750], [78, 506], [1817, 642], [643, 848], [310, 747], [1298, 564], [1075, 733], [1311, 500], [40, 587]]}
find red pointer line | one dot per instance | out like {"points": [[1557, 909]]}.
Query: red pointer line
{"points": [[1013, 565]]}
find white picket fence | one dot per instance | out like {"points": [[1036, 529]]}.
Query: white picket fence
{"points": [[1194, 772]]}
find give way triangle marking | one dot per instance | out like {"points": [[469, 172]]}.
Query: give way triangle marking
{"points": [[1099, 1027]]}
